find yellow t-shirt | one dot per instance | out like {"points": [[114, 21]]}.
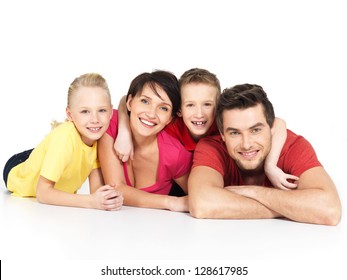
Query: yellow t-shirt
{"points": [[61, 157]]}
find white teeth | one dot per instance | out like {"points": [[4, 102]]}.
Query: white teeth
{"points": [[94, 128], [147, 122], [249, 153], [199, 123]]}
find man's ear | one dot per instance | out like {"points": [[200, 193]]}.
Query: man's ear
{"points": [[221, 134], [68, 113], [272, 130]]}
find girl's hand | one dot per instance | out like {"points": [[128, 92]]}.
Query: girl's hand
{"points": [[279, 179], [107, 198]]}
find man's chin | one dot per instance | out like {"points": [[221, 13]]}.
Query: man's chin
{"points": [[249, 168]]}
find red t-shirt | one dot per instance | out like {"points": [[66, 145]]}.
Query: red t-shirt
{"points": [[179, 130], [296, 157]]}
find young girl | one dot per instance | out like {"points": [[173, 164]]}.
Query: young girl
{"points": [[60, 164], [159, 159], [200, 90]]}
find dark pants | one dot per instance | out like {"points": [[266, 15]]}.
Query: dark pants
{"points": [[14, 161], [176, 190]]}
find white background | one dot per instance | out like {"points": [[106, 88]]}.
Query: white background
{"points": [[296, 50]]}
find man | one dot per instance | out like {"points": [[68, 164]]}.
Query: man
{"points": [[228, 179]]}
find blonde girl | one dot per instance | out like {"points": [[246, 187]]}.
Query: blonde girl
{"points": [[55, 170]]}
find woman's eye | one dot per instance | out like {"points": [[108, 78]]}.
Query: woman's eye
{"points": [[144, 101]]}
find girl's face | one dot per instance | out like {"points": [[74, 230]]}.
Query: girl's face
{"points": [[90, 110], [149, 113], [198, 108]]}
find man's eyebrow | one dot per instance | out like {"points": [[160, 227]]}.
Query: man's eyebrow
{"points": [[252, 127], [257, 124], [231, 129]]}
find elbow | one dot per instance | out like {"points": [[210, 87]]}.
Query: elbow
{"points": [[40, 198], [196, 213], [197, 209], [332, 217]]}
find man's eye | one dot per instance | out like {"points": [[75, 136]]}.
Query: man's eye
{"points": [[233, 133]]}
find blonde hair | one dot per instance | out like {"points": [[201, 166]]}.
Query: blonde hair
{"points": [[85, 80]]}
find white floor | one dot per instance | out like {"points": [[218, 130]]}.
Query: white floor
{"points": [[31, 231]]}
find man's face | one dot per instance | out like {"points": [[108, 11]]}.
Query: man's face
{"points": [[247, 137]]}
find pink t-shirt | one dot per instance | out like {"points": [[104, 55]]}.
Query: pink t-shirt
{"points": [[174, 160]]}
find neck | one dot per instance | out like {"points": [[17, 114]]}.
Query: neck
{"points": [[144, 142], [253, 177]]}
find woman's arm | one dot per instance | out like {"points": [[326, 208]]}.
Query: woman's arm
{"points": [[139, 198]]}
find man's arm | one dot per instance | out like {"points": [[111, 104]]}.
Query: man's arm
{"points": [[209, 199], [314, 201]]}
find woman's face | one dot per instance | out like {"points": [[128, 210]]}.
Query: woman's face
{"points": [[149, 113]]}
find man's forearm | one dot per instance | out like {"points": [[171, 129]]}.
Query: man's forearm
{"points": [[222, 204], [296, 205]]}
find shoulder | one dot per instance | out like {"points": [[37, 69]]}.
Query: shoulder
{"points": [[211, 152], [214, 142], [63, 139], [113, 126], [173, 155], [295, 142], [297, 155], [65, 130]]}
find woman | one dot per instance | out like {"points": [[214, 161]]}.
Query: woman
{"points": [[159, 159]]}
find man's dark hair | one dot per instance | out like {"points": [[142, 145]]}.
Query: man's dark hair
{"points": [[244, 96]]}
